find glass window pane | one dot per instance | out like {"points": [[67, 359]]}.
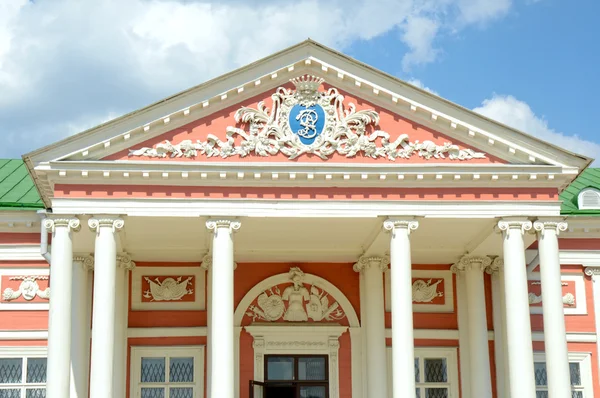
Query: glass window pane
{"points": [[541, 378], [181, 370], [153, 393], [180, 392], [418, 391], [577, 394], [10, 393], [35, 393], [153, 371], [435, 371], [436, 393], [313, 392], [36, 370], [417, 373], [541, 394], [311, 368], [280, 368], [575, 374], [11, 370]]}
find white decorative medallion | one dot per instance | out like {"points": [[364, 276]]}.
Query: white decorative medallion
{"points": [[308, 121], [426, 292], [169, 289], [29, 289], [302, 303]]}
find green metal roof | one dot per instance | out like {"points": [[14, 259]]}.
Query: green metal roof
{"points": [[17, 190], [589, 178]]}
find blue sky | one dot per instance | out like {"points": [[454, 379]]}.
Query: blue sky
{"points": [[66, 66]]}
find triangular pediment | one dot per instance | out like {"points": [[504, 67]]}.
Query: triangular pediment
{"points": [[393, 124]]}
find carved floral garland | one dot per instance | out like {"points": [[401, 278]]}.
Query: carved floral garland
{"points": [[344, 132], [29, 289]]}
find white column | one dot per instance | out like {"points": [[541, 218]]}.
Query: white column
{"points": [[59, 323], [403, 350], [463, 335], [518, 322], [372, 269], [480, 379], [555, 335], [594, 273], [124, 265], [222, 352], [500, 354], [80, 325], [103, 314]]}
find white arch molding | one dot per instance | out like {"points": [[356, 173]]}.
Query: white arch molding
{"points": [[325, 332]]}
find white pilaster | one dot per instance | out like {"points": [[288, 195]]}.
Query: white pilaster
{"points": [[555, 336], [103, 313], [372, 269], [496, 270], [59, 323], [124, 265], [222, 334], [471, 268], [80, 325], [403, 350], [518, 323]]}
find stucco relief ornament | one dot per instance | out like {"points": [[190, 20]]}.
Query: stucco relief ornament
{"points": [[308, 121], [302, 303], [425, 292], [29, 289], [568, 299], [169, 289]]}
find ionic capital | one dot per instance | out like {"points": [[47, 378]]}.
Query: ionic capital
{"points": [[207, 262], [86, 260], [557, 225], [495, 267], [592, 271], [365, 262], [476, 263], [523, 225], [231, 225], [115, 223], [125, 262], [392, 224], [72, 223]]}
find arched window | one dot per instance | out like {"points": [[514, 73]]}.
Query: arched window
{"points": [[589, 199]]}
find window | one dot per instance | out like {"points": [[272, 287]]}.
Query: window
{"points": [[23, 372], [580, 373], [167, 372], [436, 373], [589, 199], [303, 376]]}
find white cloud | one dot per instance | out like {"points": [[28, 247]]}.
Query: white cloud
{"points": [[518, 114], [66, 61], [421, 85]]}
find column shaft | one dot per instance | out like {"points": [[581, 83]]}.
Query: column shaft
{"points": [[555, 337], [103, 316], [403, 351], [124, 265], [59, 323], [80, 326], [222, 354], [518, 323], [497, 274]]}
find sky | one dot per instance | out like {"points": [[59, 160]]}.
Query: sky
{"points": [[68, 65]]}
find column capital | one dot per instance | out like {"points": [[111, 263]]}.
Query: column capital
{"points": [[522, 224], [114, 222], [207, 262], [466, 263], [558, 225], [232, 225], [592, 271], [71, 222], [366, 262], [399, 223], [125, 262], [495, 267], [85, 259]]}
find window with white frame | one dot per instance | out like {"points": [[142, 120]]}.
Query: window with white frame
{"points": [[580, 373], [23, 372], [167, 372], [589, 199], [436, 372]]}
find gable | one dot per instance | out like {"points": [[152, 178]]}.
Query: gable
{"points": [[342, 127]]}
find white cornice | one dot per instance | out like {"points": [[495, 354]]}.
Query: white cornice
{"points": [[587, 258], [20, 253]]}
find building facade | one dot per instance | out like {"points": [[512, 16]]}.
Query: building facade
{"points": [[305, 226]]}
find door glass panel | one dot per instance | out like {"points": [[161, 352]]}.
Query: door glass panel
{"points": [[179, 392], [181, 370], [153, 370], [280, 368], [11, 370], [313, 392], [153, 393], [311, 368]]}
